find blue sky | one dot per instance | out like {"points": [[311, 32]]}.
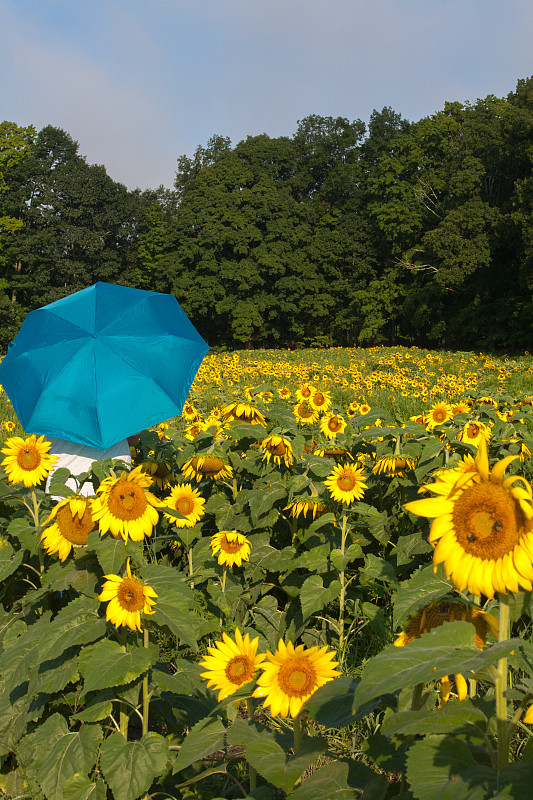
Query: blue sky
{"points": [[139, 82]]}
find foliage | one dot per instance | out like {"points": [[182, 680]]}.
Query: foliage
{"points": [[341, 234]]}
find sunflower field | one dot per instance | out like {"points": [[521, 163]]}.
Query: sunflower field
{"points": [[315, 583]]}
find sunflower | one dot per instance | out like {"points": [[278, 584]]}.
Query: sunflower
{"points": [[242, 412], [214, 422], [232, 547], [126, 597], [189, 413], [393, 465], [8, 424], [284, 393], [473, 432], [161, 431], [364, 409], [277, 448], [438, 414], [346, 483], [305, 413], [460, 408], [125, 507], [72, 524], [230, 664], [482, 527], [420, 419], [313, 506], [187, 501], [292, 675], [211, 467], [436, 614], [160, 472], [340, 454], [192, 430], [27, 461], [487, 401], [304, 392], [331, 425], [320, 401]]}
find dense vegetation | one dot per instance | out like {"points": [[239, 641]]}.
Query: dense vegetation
{"points": [[341, 234]]}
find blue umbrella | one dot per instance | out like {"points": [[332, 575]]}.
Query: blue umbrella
{"points": [[102, 364]]}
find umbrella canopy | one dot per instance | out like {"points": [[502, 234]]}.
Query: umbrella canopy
{"points": [[102, 364]]}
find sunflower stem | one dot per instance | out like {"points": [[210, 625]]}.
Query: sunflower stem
{"points": [[501, 686], [223, 590], [189, 557], [146, 696], [344, 533], [123, 714], [252, 773], [297, 730]]}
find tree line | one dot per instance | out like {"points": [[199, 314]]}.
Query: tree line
{"points": [[343, 234]]}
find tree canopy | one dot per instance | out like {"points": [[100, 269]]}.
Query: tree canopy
{"points": [[344, 233]]}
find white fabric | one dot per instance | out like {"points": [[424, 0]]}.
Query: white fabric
{"points": [[78, 458]]}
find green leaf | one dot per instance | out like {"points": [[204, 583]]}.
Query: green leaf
{"points": [[314, 595], [452, 717], [20, 528], [59, 754], [105, 664], [410, 545], [130, 767], [269, 758], [443, 768], [185, 680], [314, 560], [423, 587], [56, 673], [110, 552], [329, 782], [98, 707], [330, 705], [444, 650], [9, 560], [377, 569], [80, 787], [175, 602], [262, 500], [515, 781], [205, 738], [77, 623], [57, 486], [340, 561]]}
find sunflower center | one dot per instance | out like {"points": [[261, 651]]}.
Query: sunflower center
{"points": [[473, 430], [210, 465], [185, 506], [130, 595], [239, 670], [319, 398], [297, 678], [304, 411], [73, 528], [346, 483], [488, 521], [230, 547], [29, 458], [127, 501], [334, 424], [306, 391], [439, 415], [277, 449]]}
